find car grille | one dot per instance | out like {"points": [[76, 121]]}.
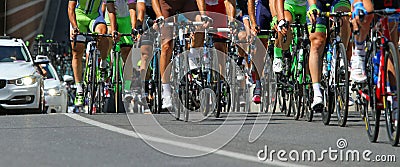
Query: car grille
{"points": [[2, 84]]}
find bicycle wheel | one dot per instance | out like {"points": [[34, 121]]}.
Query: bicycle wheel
{"points": [[176, 84], [186, 88], [308, 94], [219, 95], [298, 100], [342, 85], [155, 86], [392, 85], [100, 101], [117, 80], [92, 84], [370, 113], [266, 93], [328, 95]]}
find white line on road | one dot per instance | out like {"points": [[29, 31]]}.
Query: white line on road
{"points": [[225, 153]]}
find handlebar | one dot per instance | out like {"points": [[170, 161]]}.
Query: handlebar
{"points": [[184, 24], [91, 35], [335, 14], [386, 11]]}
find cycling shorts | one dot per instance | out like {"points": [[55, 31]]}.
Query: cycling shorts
{"points": [[171, 8], [218, 14], [263, 18], [87, 23], [322, 21], [297, 10], [124, 27]]}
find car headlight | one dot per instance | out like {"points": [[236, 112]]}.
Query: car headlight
{"points": [[54, 92], [29, 80]]}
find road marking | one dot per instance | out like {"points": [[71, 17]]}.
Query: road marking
{"points": [[225, 153]]}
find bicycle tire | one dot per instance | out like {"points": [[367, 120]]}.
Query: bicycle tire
{"points": [[186, 89], [117, 84], [287, 103], [368, 109], [342, 86], [219, 96], [176, 84], [92, 84], [328, 95], [158, 87], [275, 101], [98, 97], [265, 93], [298, 100], [308, 94], [392, 129]]}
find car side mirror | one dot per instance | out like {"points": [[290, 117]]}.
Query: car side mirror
{"points": [[68, 78]]}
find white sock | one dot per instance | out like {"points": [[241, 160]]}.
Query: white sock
{"points": [[79, 88], [166, 90], [360, 45], [317, 90]]}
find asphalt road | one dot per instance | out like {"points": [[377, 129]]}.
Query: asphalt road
{"points": [[136, 140]]}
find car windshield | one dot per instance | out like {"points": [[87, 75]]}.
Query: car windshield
{"points": [[50, 72], [13, 53]]}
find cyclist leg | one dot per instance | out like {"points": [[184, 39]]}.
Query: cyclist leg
{"points": [[166, 44], [345, 31], [78, 48], [289, 12], [99, 25], [263, 18], [218, 13], [124, 26], [318, 40], [358, 58]]}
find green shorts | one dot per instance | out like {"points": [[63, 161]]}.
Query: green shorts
{"points": [[124, 27], [322, 21], [297, 10], [88, 23]]}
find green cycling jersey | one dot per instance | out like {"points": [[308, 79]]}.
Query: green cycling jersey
{"points": [[90, 7]]}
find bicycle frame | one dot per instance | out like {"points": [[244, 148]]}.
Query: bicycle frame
{"points": [[385, 37]]}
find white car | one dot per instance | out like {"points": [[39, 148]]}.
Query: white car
{"points": [[55, 92], [21, 82]]}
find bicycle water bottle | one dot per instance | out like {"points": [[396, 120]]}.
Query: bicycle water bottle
{"points": [[329, 58], [376, 62]]}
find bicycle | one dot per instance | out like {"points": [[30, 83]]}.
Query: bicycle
{"points": [[302, 83], [285, 86], [268, 80], [184, 87], [221, 81], [335, 77], [379, 92], [91, 91], [116, 76]]}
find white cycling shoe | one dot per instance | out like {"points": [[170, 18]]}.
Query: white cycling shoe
{"points": [[317, 104], [166, 102]]}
